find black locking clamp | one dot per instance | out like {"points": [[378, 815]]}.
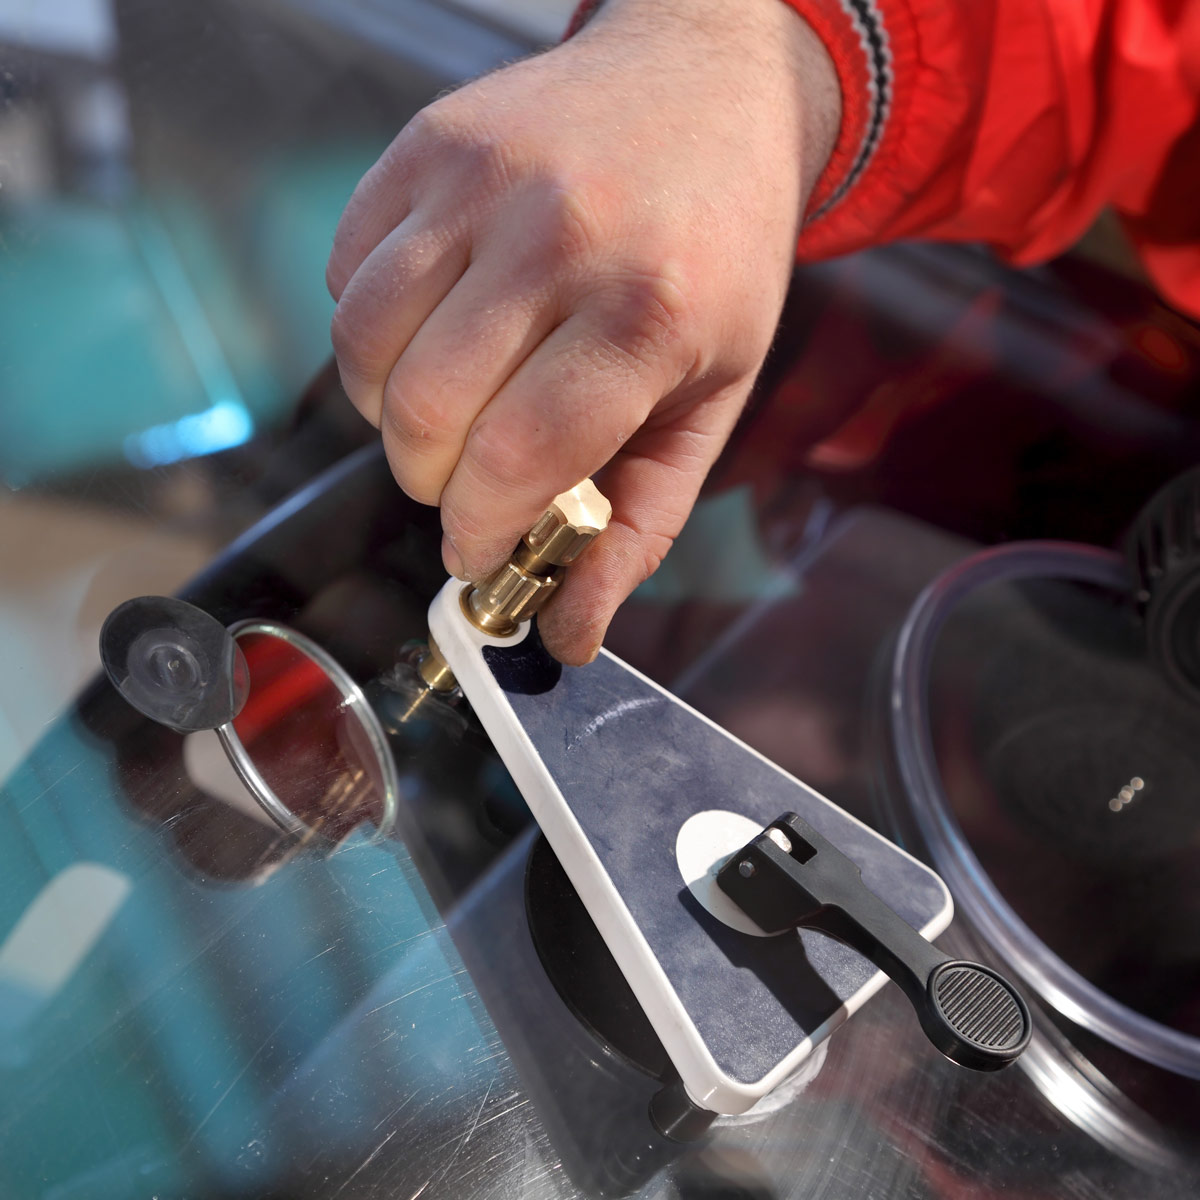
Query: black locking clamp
{"points": [[789, 875]]}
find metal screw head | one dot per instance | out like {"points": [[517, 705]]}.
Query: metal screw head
{"points": [[780, 839], [746, 869]]}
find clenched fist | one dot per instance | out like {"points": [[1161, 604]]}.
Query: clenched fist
{"points": [[574, 267]]}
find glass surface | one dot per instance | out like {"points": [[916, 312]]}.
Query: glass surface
{"points": [[189, 1006], [193, 1004], [170, 180], [1072, 767]]}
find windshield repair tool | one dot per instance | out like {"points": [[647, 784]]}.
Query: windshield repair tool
{"points": [[645, 802]]}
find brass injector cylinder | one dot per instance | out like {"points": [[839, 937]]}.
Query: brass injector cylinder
{"points": [[513, 593], [535, 568]]}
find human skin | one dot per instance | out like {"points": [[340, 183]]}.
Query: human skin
{"points": [[574, 267]]}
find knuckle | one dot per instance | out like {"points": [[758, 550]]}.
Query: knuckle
{"points": [[364, 326], [463, 528], [340, 335], [572, 219], [499, 460], [377, 193], [414, 417], [419, 137], [440, 123], [335, 274], [360, 353], [451, 136], [343, 334], [423, 126], [645, 314], [653, 298]]}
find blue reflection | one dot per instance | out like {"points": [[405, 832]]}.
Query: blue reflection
{"points": [[203, 1039], [227, 423]]}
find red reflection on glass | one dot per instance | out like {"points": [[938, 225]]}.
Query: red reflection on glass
{"points": [[1160, 348], [306, 740]]}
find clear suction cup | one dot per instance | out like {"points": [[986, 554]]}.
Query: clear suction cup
{"points": [[174, 663], [296, 727]]}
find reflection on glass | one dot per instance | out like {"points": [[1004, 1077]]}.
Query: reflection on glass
{"points": [[306, 740], [1072, 769], [56, 932]]}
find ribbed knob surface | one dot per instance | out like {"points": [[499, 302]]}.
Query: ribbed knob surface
{"points": [[979, 1007], [510, 596]]}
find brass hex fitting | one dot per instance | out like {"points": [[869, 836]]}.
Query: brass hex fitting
{"points": [[566, 529], [518, 589], [505, 599], [536, 567]]}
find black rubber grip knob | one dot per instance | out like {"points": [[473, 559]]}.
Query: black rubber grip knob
{"points": [[791, 875], [986, 1022]]}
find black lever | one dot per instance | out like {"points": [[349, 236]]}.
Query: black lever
{"points": [[790, 875]]}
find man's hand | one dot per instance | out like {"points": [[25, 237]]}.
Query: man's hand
{"points": [[576, 265]]}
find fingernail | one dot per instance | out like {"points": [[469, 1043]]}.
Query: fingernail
{"points": [[452, 560]]}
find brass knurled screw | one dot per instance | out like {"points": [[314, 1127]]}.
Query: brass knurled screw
{"points": [[536, 567], [532, 574]]}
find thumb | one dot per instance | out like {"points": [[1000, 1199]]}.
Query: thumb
{"points": [[652, 485]]}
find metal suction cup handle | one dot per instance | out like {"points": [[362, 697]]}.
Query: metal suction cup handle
{"points": [[790, 875]]}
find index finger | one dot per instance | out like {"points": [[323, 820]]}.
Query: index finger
{"points": [[561, 417]]}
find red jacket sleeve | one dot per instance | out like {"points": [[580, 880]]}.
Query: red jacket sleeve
{"points": [[1014, 122]]}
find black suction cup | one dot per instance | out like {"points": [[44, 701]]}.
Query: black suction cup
{"points": [[582, 968], [174, 663]]}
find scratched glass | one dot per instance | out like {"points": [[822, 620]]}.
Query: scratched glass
{"points": [[189, 1009]]}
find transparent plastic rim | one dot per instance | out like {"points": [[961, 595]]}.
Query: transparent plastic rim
{"points": [[352, 694], [1058, 984]]}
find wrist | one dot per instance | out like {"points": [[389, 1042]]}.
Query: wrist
{"points": [[762, 44]]}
